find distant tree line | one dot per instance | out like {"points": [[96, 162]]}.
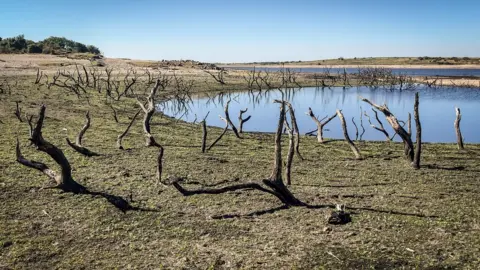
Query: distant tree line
{"points": [[51, 45]]}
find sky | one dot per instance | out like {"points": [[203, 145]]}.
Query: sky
{"points": [[252, 30]]}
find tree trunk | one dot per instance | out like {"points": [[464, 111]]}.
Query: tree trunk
{"points": [[418, 126], [204, 135], [291, 152], [456, 124]]}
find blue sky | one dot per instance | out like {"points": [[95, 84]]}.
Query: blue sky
{"points": [[252, 30]]}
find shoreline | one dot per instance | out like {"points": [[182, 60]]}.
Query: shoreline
{"points": [[355, 66]]}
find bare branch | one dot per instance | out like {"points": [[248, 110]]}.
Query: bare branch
{"points": [[347, 138], [242, 120], [121, 136]]}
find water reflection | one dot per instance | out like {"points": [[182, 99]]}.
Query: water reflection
{"points": [[436, 109]]}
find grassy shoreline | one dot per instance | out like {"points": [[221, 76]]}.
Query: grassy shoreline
{"points": [[403, 218]]}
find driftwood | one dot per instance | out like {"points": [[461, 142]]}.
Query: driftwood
{"points": [[392, 120], [242, 120], [347, 138], [456, 124], [320, 124], [77, 146], [418, 127], [121, 136]]}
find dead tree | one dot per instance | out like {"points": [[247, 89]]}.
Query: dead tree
{"points": [[381, 128], [320, 124], [392, 120], [121, 136], [18, 112], [77, 146], [39, 76], [418, 127], [456, 124], [291, 152], [204, 133], [149, 110], [227, 117], [275, 184], [242, 120], [356, 128], [114, 114], [218, 77], [221, 134], [294, 127], [361, 124], [64, 180], [347, 138]]}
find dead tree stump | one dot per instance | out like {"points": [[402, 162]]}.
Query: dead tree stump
{"points": [[456, 124]]}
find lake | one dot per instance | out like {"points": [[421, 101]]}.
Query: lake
{"points": [[454, 72], [437, 112]]}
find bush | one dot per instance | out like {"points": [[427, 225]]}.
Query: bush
{"points": [[51, 45], [34, 48]]}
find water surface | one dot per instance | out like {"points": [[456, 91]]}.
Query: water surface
{"points": [[437, 111], [454, 72]]}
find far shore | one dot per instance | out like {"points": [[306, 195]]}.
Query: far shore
{"points": [[354, 66]]}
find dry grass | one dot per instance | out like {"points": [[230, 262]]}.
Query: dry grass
{"points": [[44, 228]]}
